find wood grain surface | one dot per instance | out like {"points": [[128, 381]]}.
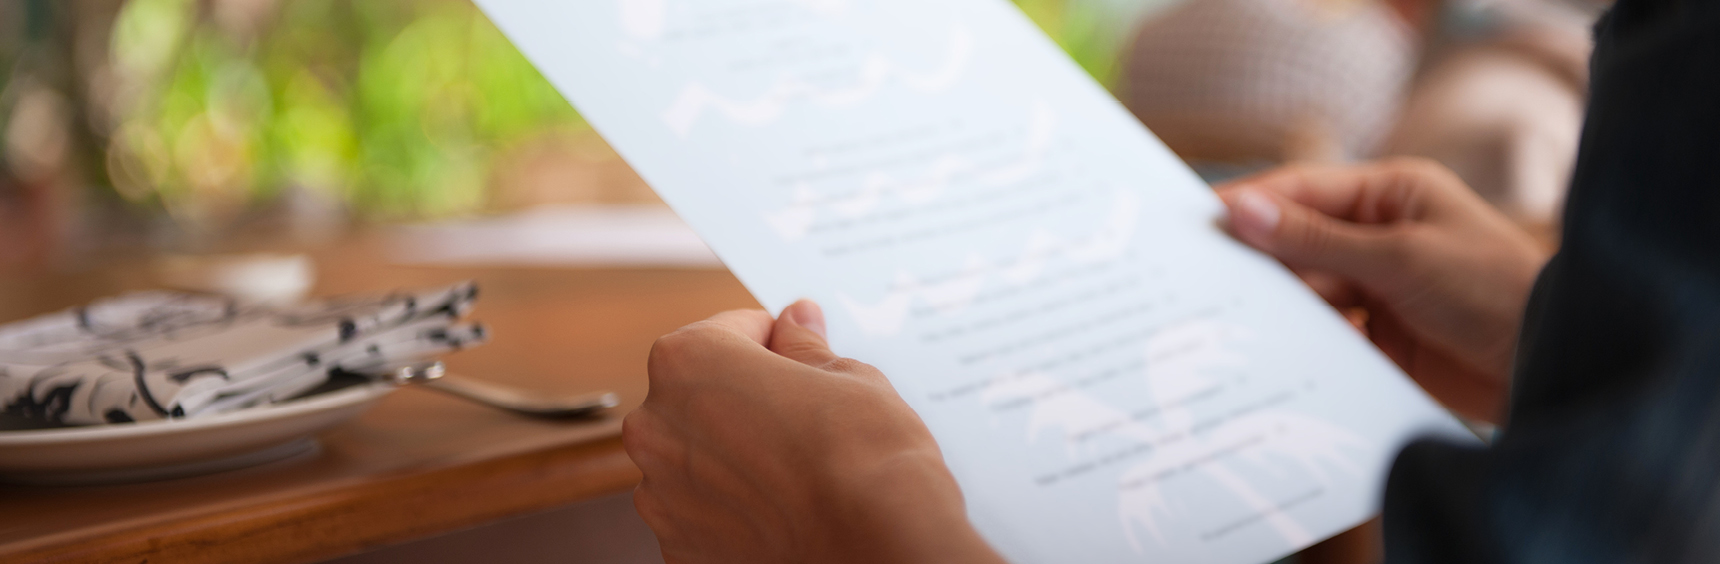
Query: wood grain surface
{"points": [[419, 463]]}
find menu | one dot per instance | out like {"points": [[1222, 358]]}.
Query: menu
{"points": [[1111, 377]]}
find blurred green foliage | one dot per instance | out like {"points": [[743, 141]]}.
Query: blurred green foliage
{"points": [[394, 108], [1087, 30]]}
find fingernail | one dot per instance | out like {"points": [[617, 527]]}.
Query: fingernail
{"points": [[1256, 212], [806, 313]]}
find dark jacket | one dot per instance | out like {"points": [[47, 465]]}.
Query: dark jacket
{"points": [[1612, 448]]}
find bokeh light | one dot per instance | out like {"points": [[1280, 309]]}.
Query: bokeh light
{"points": [[202, 112]]}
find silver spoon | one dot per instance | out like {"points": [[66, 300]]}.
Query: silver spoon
{"points": [[434, 375]]}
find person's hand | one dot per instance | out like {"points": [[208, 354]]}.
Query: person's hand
{"points": [[1442, 276], [758, 445]]}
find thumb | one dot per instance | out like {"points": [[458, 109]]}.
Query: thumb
{"points": [[1303, 237], [799, 334]]}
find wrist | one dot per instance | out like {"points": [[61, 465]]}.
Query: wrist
{"points": [[908, 508]]}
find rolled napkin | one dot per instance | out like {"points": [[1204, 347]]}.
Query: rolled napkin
{"points": [[159, 355]]}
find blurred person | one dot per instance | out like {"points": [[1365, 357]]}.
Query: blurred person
{"points": [[1491, 88], [28, 223], [1269, 80], [758, 444], [44, 139], [35, 145], [1499, 99]]}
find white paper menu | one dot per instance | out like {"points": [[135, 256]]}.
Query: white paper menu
{"points": [[1111, 377]]}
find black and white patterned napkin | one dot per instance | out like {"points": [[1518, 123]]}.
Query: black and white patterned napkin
{"points": [[158, 355]]}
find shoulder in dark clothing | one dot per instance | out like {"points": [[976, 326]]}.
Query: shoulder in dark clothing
{"points": [[1612, 449]]}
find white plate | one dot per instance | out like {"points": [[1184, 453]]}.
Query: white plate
{"points": [[154, 450]]}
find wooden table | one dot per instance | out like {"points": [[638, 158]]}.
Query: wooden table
{"points": [[418, 464]]}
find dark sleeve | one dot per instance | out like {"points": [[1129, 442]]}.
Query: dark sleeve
{"points": [[1612, 449]]}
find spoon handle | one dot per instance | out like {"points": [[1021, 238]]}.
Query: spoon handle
{"points": [[434, 376]]}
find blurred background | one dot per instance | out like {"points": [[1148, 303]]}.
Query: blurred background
{"points": [[187, 126], [218, 144]]}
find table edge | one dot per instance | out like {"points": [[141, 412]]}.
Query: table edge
{"points": [[357, 517]]}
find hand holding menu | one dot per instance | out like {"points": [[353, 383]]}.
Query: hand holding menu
{"points": [[1110, 376]]}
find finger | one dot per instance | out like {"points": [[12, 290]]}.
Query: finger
{"points": [[754, 323], [1304, 237], [690, 353], [1381, 192], [1340, 294], [799, 335], [1331, 189], [1336, 290], [1358, 318], [651, 444]]}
